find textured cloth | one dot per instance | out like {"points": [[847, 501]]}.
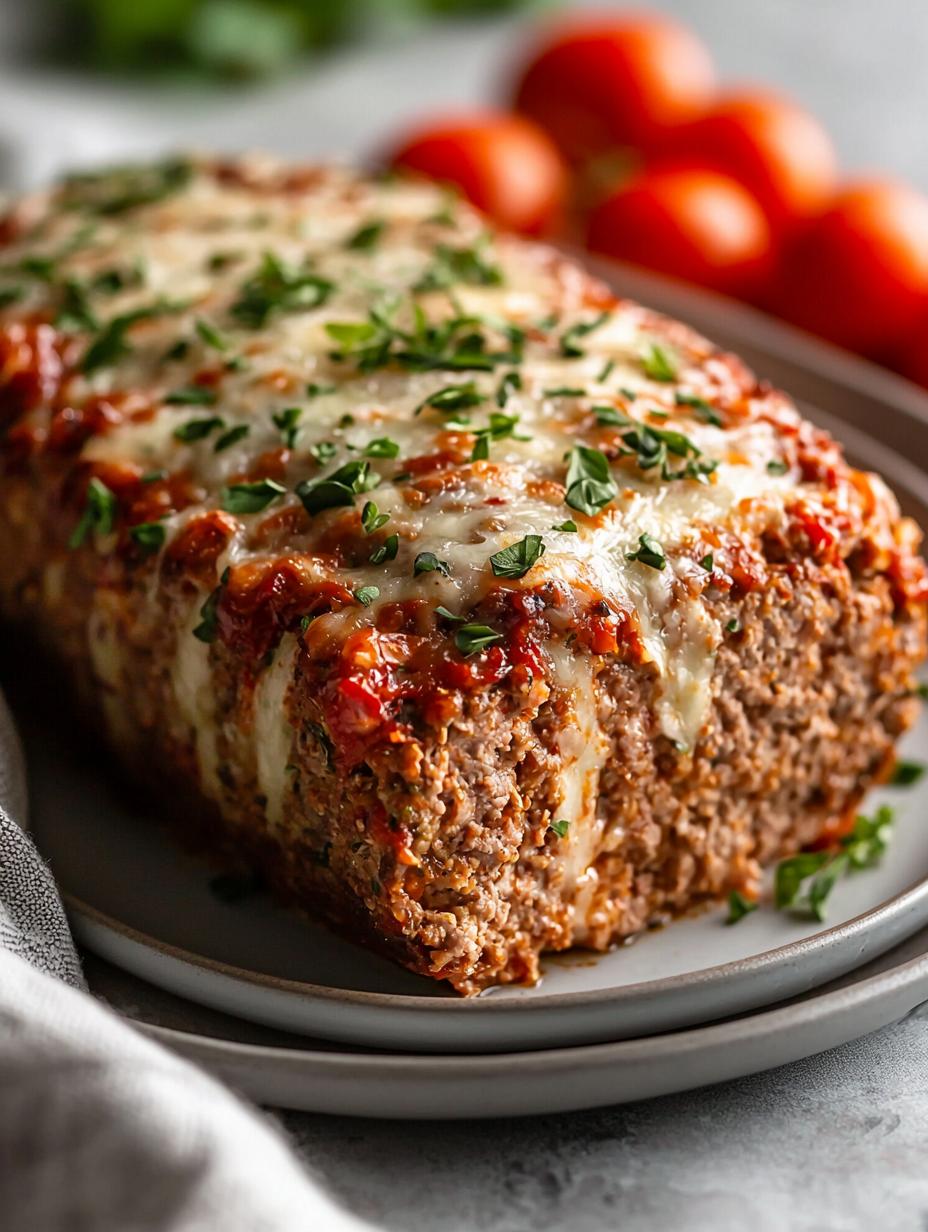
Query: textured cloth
{"points": [[102, 1130]]}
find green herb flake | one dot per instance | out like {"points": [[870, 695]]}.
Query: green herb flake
{"points": [[232, 437], [337, 489], [148, 536], [11, 295], [606, 372], [367, 236], [111, 345], [565, 391], [208, 628], [609, 415], [366, 595], [739, 907], [516, 560], [446, 615], [570, 339], [372, 519], [323, 451], [776, 466], [589, 483], [569, 527], [471, 639], [191, 395], [560, 827], [197, 429], [382, 447], [906, 773], [658, 363], [286, 422], [733, 626], [99, 516], [510, 382], [386, 551], [452, 398], [210, 335], [75, 312], [315, 390], [703, 409], [277, 287], [649, 552], [459, 265], [250, 497], [428, 562]]}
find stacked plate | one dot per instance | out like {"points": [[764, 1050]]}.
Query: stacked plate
{"points": [[251, 991]]}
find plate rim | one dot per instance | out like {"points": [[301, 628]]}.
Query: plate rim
{"points": [[762, 1022], [721, 974]]}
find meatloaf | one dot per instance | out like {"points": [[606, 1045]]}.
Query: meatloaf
{"points": [[481, 612]]}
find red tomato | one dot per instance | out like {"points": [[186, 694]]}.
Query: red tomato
{"points": [[601, 81], [859, 274], [913, 361], [503, 163], [774, 148], [696, 225]]}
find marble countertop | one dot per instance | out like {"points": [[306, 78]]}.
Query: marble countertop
{"points": [[836, 1142]]}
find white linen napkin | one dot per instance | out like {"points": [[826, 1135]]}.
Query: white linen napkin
{"points": [[101, 1129]]}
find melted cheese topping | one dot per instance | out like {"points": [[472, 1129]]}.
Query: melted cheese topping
{"points": [[187, 260]]}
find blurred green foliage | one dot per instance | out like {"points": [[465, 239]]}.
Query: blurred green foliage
{"points": [[231, 38]]}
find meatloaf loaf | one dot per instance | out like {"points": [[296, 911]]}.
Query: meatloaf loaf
{"points": [[481, 612]]}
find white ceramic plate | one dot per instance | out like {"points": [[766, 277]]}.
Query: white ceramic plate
{"points": [[137, 900], [315, 1077]]}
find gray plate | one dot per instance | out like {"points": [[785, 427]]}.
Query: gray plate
{"points": [[291, 1072], [271, 967]]}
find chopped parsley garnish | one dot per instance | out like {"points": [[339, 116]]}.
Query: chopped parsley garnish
{"points": [[323, 451], [446, 615], [560, 827], [208, 628], [286, 422], [570, 339], [366, 595], [372, 519], [277, 287], [565, 391], [654, 447], [610, 415], [99, 516], [590, 486], [110, 344], [516, 560], [739, 907], [455, 343], [819, 871], [510, 382], [232, 437], [177, 350], [314, 390], [197, 429], [906, 773], [428, 562], [708, 562], [386, 551], [481, 449], [649, 552], [11, 295], [366, 236], [250, 497], [452, 398], [607, 369], [149, 536], [658, 363], [75, 312], [776, 466], [120, 189], [338, 489], [191, 395], [459, 265], [210, 335], [733, 626], [470, 639], [704, 410], [568, 527], [382, 447]]}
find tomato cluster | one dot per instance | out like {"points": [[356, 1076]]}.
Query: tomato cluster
{"points": [[618, 136]]}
